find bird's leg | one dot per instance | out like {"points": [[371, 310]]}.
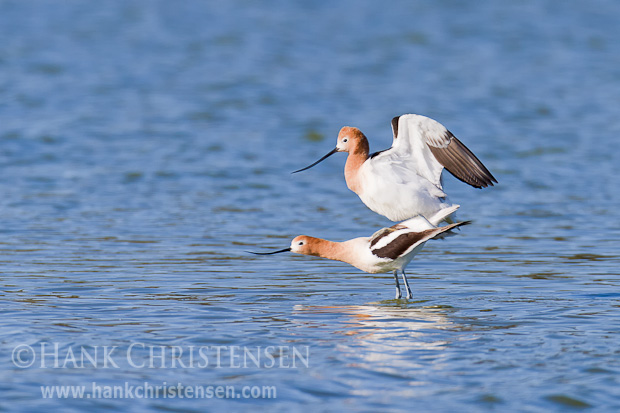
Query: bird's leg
{"points": [[409, 295], [397, 285]]}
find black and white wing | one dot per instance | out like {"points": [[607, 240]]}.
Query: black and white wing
{"points": [[432, 147], [397, 241]]}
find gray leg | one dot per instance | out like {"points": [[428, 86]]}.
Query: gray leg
{"points": [[409, 295], [397, 285]]}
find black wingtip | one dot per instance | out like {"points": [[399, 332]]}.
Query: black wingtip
{"points": [[395, 120], [490, 180]]}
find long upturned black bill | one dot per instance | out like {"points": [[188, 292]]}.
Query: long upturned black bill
{"points": [[320, 160], [269, 253]]}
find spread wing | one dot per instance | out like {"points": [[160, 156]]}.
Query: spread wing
{"points": [[430, 147]]}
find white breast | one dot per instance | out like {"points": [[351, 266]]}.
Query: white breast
{"points": [[390, 188]]}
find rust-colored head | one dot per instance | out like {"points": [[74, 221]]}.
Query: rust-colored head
{"points": [[351, 140], [306, 245], [303, 244]]}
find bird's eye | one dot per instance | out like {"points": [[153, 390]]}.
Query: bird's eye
{"points": [[300, 243], [345, 140]]}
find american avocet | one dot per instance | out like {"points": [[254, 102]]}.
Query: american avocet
{"points": [[405, 180], [389, 249]]}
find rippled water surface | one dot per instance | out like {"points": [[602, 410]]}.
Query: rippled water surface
{"points": [[146, 145]]}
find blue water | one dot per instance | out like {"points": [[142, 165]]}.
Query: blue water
{"points": [[146, 145]]}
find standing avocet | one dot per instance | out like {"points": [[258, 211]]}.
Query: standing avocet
{"points": [[405, 180], [389, 249]]}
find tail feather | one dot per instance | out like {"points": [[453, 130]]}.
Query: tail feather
{"points": [[446, 231], [443, 214]]}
